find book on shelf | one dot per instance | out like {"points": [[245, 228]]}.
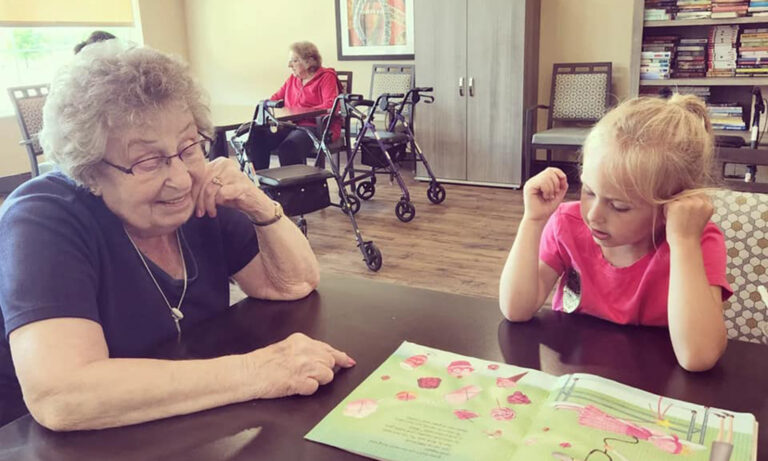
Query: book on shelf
{"points": [[659, 10], [425, 403]]}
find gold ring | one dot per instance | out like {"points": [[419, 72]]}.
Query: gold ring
{"points": [[216, 180]]}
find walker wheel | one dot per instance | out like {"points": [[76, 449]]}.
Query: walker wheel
{"points": [[302, 224], [405, 210], [354, 204], [365, 190], [436, 193], [372, 256]]}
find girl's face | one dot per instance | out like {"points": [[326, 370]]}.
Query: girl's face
{"points": [[622, 226]]}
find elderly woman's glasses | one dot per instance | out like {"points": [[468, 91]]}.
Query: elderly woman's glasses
{"points": [[148, 166]]}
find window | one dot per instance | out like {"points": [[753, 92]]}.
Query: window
{"points": [[32, 55]]}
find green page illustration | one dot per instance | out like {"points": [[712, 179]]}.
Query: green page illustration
{"points": [[424, 403]]}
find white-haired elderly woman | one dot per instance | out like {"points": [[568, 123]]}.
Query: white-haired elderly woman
{"points": [[133, 241]]}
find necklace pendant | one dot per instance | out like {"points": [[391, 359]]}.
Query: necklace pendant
{"points": [[176, 313]]}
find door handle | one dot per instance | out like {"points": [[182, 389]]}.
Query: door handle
{"points": [[471, 86], [461, 86]]}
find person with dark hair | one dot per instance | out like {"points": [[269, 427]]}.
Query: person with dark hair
{"points": [[96, 36], [133, 241], [310, 86]]}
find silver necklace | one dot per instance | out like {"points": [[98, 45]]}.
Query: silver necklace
{"points": [[176, 313]]}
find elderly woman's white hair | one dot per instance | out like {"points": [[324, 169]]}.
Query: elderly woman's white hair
{"points": [[112, 86]]}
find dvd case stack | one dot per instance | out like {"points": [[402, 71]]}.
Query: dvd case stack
{"points": [[693, 9], [722, 51], [758, 8], [753, 53], [702, 92], [725, 9], [691, 60], [727, 116], [660, 10], [658, 57]]}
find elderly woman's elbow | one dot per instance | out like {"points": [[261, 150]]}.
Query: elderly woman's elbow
{"points": [[54, 414]]}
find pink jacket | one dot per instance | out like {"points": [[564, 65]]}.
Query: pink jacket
{"points": [[319, 92]]}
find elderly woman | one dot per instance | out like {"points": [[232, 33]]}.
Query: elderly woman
{"points": [[132, 242], [310, 86]]}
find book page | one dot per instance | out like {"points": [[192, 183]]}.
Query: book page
{"points": [[602, 419], [427, 404]]}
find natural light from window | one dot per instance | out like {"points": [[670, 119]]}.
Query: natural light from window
{"points": [[31, 55]]}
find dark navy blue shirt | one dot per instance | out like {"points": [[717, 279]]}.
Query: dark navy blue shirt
{"points": [[63, 253]]}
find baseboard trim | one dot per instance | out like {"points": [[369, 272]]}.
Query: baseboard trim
{"points": [[470, 183], [9, 183]]}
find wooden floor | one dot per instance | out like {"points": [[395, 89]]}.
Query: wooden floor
{"points": [[458, 246]]}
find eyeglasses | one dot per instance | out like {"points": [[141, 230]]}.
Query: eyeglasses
{"points": [[150, 166]]}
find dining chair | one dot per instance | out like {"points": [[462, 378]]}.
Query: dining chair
{"points": [[579, 97], [743, 218], [28, 102]]}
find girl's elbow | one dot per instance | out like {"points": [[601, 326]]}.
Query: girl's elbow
{"points": [[513, 313], [703, 360]]}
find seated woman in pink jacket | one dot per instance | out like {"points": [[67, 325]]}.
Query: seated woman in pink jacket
{"points": [[310, 86]]}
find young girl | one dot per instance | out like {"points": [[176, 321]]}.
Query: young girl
{"points": [[638, 248]]}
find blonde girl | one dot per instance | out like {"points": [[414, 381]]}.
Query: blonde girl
{"points": [[638, 248]]}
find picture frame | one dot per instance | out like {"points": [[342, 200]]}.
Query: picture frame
{"points": [[374, 29]]}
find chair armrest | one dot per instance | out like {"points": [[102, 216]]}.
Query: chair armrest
{"points": [[534, 108]]}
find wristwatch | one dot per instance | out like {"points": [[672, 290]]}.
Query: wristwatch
{"points": [[272, 220]]}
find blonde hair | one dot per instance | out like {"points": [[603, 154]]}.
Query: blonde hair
{"points": [[307, 51], [661, 148]]}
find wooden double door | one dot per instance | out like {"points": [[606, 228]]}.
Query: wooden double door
{"points": [[481, 58]]}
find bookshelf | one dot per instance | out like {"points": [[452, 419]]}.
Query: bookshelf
{"points": [[722, 89]]}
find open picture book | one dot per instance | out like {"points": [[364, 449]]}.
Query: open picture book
{"points": [[428, 404]]}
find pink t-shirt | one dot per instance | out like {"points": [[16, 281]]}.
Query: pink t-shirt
{"points": [[636, 294]]}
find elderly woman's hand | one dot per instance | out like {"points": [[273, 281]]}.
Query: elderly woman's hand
{"points": [[295, 365], [222, 183]]}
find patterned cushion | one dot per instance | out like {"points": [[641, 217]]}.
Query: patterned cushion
{"points": [[384, 82], [579, 96], [31, 111], [743, 218]]}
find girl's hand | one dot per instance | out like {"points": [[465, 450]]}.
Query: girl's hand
{"points": [[687, 216], [543, 193], [222, 183]]}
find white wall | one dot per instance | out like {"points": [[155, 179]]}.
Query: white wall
{"points": [[239, 48]]}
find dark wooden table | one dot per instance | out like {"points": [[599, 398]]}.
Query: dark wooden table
{"points": [[229, 118], [369, 320]]}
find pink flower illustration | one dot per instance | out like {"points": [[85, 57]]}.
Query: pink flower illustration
{"points": [[565, 444], [465, 414], [493, 366], [360, 408], [414, 362], [384, 377], [511, 381], [405, 396], [518, 398], [429, 383], [503, 414], [462, 395], [460, 368]]}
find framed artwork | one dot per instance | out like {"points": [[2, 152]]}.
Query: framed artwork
{"points": [[374, 29]]}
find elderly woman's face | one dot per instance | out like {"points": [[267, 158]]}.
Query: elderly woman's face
{"points": [[157, 202], [297, 65]]}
